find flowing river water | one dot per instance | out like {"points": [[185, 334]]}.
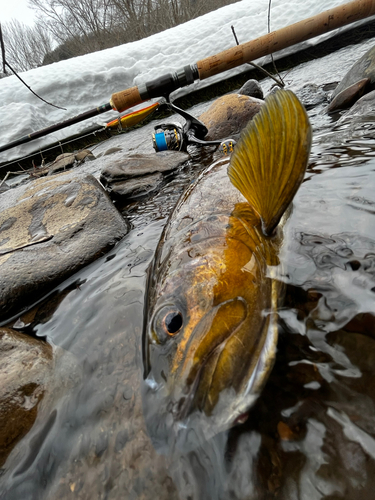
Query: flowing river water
{"points": [[311, 434]]}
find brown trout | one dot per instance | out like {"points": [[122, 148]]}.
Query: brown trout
{"points": [[211, 324]]}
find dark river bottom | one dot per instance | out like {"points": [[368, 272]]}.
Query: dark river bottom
{"points": [[311, 433]]}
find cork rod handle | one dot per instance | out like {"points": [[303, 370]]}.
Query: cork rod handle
{"points": [[125, 99], [272, 42], [286, 37]]}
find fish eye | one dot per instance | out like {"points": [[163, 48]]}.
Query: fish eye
{"points": [[167, 322], [172, 322]]}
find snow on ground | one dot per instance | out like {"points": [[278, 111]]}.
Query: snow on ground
{"points": [[85, 82]]}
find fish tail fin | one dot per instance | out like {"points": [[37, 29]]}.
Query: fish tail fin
{"points": [[270, 159]]}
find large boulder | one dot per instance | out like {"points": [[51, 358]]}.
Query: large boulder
{"points": [[49, 229], [26, 366], [229, 114]]}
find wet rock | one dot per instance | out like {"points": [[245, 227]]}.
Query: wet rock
{"points": [[4, 187], [111, 151], [364, 68], [229, 114], [311, 95], [364, 106], [348, 96], [84, 155], [68, 160], [48, 230], [140, 186], [62, 162], [138, 174], [137, 165], [251, 88], [25, 368]]}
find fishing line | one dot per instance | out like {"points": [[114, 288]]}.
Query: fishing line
{"points": [[60, 144]]}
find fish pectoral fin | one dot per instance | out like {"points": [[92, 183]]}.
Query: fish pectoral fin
{"points": [[270, 159]]}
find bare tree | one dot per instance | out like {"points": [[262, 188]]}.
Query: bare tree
{"points": [[83, 26], [25, 46], [88, 22]]}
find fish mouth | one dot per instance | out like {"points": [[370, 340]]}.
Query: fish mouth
{"points": [[199, 379], [187, 404]]}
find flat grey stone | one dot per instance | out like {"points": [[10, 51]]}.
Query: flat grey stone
{"points": [[49, 229], [137, 165], [139, 186]]}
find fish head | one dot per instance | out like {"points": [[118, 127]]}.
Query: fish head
{"points": [[204, 340]]}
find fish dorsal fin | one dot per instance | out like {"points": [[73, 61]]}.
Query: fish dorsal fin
{"points": [[270, 159]]}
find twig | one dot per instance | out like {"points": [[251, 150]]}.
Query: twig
{"points": [[2, 50], [31, 90], [280, 83], [55, 146], [5, 178], [26, 245], [19, 172], [269, 31], [5, 63]]}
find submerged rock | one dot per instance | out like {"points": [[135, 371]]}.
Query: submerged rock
{"points": [[136, 175], [25, 369], [229, 114], [48, 230], [311, 95]]}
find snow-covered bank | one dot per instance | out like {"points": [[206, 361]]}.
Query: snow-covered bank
{"points": [[85, 82]]}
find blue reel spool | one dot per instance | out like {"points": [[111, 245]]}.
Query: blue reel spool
{"points": [[160, 142], [167, 137]]}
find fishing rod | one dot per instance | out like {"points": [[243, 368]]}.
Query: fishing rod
{"points": [[213, 65]]}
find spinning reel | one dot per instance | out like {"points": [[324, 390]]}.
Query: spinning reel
{"points": [[173, 137]]}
